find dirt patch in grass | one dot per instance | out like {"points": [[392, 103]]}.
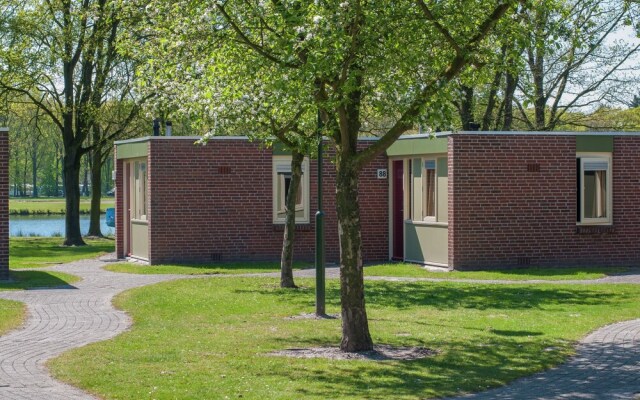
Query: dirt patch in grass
{"points": [[313, 316], [379, 353]]}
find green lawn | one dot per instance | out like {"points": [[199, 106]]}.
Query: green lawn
{"points": [[44, 252], [52, 205], [37, 279], [209, 338], [12, 314], [202, 269], [552, 274]]}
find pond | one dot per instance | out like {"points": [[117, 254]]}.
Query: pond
{"points": [[49, 225]]}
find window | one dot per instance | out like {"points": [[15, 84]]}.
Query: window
{"points": [[428, 182], [139, 191], [429, 186], [594, 189], [281, 182]]}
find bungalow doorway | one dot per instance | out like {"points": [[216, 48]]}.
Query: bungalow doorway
{"points": [[397, 209], [136, 223]]}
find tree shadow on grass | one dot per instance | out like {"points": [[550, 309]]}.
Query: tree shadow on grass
{"points": [[447, 296], [461, 366], [33, 280], [578, 272]]}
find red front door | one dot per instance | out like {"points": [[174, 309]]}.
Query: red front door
{"points": [[398, 209]]}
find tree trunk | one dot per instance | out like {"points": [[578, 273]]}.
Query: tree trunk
{"points": [[57, 186], [286, 261], [85, 180], [355, 326], [34, 169], [512, 82], [96, 194], [71, 172], [466, 108], [489, 111]]}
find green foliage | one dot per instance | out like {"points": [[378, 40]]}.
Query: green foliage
{"points": [[210, 338], [253, 66]]}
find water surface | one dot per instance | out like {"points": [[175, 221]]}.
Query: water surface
{"points": [[49, 225]]}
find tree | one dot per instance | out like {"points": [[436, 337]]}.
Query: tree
{"points": [[576, 55], [59, 54], [349, 60]]}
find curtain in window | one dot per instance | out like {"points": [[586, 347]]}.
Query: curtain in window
{"points": [[430, 189], [601, 194]]}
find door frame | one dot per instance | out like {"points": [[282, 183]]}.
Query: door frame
{"points": [[393, 207]]}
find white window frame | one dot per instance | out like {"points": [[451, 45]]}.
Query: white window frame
{"points": [[139, 207], [280, 164], [597, 157]]}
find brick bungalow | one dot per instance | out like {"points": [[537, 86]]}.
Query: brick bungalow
{"points": [[463, 200]]}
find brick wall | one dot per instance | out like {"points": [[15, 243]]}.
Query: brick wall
{"points": [[214, 203], [513, 202], [4, 204]]}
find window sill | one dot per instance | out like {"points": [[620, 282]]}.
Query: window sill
{"points": [[426, 223], [594, 229], [302, 226]]}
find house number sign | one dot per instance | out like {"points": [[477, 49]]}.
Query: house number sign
{"points": [[382, 173]]}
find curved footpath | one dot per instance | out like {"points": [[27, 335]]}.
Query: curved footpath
{"points": [[607, 365], [59, 320]]}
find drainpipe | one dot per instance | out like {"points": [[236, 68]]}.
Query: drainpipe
{"points": [[167, 131]]}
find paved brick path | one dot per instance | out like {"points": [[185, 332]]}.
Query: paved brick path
{"points": [[607, 365], [59, 320]]}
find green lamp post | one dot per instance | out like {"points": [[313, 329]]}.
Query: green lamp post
{"points": [[320, 264]]}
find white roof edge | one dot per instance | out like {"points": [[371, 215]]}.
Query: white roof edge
{"points": [[542, 133], [194, 138], [424, 135], [4, 129]]}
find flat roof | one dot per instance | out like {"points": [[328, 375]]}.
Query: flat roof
{"points": [[524, 133], [195, 138], [403, 137]]}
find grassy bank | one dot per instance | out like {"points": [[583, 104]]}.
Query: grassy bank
{"points": [[42, 252], [52, 205], [211, 338]]}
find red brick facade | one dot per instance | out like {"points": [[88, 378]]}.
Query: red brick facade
{"points": [[4, 204], [513, 202], [214, 203]]}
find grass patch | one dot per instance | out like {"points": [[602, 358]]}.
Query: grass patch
{"points": [[551, 274], [52, 205], [12, 313], [202, 269], [37, 279], [197, 339], [30, 252]]}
